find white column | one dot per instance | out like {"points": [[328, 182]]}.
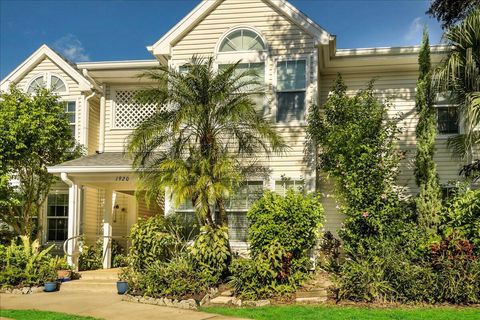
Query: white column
{"points": [[73, 224], [101, 138], [107, 229]]}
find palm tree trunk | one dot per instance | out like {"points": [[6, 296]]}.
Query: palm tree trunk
{"points": [[222, 212]]}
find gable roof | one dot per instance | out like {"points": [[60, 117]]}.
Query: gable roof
{"points": [[163, 46], [41, 53]]}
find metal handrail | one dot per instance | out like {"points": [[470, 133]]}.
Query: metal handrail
{"points": [[110, 238]]}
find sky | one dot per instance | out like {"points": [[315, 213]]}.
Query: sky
{"points": [[95, 30]]}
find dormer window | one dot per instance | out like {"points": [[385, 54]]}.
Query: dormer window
{"points": [[52, 82], [242, 40]]}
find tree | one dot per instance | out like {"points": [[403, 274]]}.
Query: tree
{"points": [[458, 74], [34, 134], [428, 200], [450, 12], [205, 135], [356, 143]]}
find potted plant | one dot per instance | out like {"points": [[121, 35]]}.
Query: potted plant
{"points": [[49, 277], [122, 283], [64, 271]]}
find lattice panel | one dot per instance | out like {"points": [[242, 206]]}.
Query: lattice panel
{"points": [[128, 112]]}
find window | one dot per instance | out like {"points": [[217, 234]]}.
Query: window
{"points": [[57, 85], [52, 82], [237, 207], [282, 186], [70, 108], [57, 217], [291, 87], [259, 68], [36, 84], [242, 40], [447, 119]]}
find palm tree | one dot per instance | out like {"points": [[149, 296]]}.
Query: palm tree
{"points": [[459, 74], [204, 136]]}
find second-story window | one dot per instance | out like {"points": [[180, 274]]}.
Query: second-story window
{"points": [[447, 119], [49, 81], [291, 88], [70, 109]]}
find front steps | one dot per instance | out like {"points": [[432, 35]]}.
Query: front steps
{"points": [[103, 280]]}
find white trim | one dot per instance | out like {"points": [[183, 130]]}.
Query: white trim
{"points": [[126, 64], [86, 169], [44, 52], [47, 80]]}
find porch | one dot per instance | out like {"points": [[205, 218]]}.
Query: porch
{"points": [[102, 205]]}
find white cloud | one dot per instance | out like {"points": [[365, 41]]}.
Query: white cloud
{"points": [[71, 47], [415, 31]]}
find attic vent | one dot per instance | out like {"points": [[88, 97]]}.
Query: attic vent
{"points": [[128, 112]]}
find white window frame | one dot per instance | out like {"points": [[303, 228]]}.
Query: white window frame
{"points": [[251, 53], [47, 79], [46, 218], [306, 58]]}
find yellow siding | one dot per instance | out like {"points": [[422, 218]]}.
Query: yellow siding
{"points": [[93, 125], [47, 65], [282, 36], [92, 215], [115, 139], [399, 89]]}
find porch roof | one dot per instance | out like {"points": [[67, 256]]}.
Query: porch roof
{"points": [[101, 162]]}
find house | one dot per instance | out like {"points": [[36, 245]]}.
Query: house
{"points": [[295, 57]]}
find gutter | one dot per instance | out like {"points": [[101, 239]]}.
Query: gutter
{"points": [[86, 115]]}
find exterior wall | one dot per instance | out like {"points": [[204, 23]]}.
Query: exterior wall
{"points": [[93, 200], [73, 92], [285, 41], [399, 88], [115, 139], [93, 125]]}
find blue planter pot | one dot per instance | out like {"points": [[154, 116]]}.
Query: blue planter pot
{"points": [[122, 287], [50, 286]]}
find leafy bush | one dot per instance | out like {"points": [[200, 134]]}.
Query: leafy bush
{"points": [[292, 221], [268, 274], [176, 279], [25, 264], [282, 232], [151, 241], [462, 216], [211, 249]]}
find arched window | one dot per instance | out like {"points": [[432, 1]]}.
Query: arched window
{"points": [[36, 84], [242, 40], [49, 81], [57, 85]]}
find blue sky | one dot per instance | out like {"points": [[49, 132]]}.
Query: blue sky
{"points": [[92, 30]]}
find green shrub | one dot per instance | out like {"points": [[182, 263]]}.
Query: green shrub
{"points": [[176, 279], [282, 232], [462, 216], [211, 250], [25, 264], [293, 221], [151, 241]]}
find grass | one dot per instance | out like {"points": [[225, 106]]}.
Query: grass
{"points": [[39, 315], [347, 313]]}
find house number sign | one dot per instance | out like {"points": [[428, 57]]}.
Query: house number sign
{"points": [[122, 178]]}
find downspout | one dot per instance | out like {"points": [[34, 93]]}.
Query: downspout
{"points": [[86, 115]]}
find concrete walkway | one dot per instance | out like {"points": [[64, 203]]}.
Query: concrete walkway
{"points": [[100, 305]]}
